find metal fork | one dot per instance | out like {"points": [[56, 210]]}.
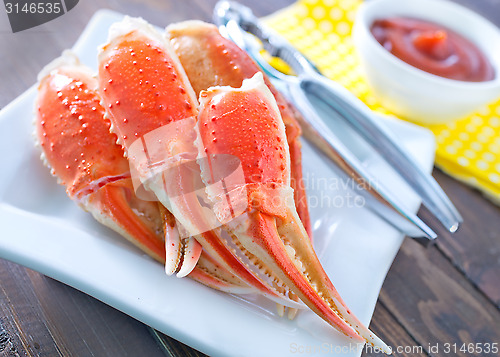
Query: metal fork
{"points": [[309, 90]]}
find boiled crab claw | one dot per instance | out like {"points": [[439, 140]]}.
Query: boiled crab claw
{"points": [[81, 152], [167, 103], [270, 232], [144, 88]]}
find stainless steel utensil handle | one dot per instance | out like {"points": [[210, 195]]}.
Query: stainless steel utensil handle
{"points": [[380, 200]]}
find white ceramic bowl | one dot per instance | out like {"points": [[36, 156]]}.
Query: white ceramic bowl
{"points": [[410, 92]]}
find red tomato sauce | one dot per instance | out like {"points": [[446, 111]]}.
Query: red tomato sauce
{"points": [[433, 49]]}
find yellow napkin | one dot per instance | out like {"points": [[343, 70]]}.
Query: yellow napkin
{"points": [[468, 149]]}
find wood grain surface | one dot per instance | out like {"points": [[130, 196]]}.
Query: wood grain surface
{"points": [[447, 292]]}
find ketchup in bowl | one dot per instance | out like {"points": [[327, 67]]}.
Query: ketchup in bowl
{"points": [[433, 48]]}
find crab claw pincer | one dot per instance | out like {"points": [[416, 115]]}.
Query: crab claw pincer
{"points": [[246, 123], [137, 105]]}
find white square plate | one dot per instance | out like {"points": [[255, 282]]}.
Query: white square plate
{"points": [[45, 231]]}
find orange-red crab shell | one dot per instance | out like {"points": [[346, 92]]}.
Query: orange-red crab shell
{"points": [[144, 88]]}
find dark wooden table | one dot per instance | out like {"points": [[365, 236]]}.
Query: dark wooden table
{"points": [[446, 293]]}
